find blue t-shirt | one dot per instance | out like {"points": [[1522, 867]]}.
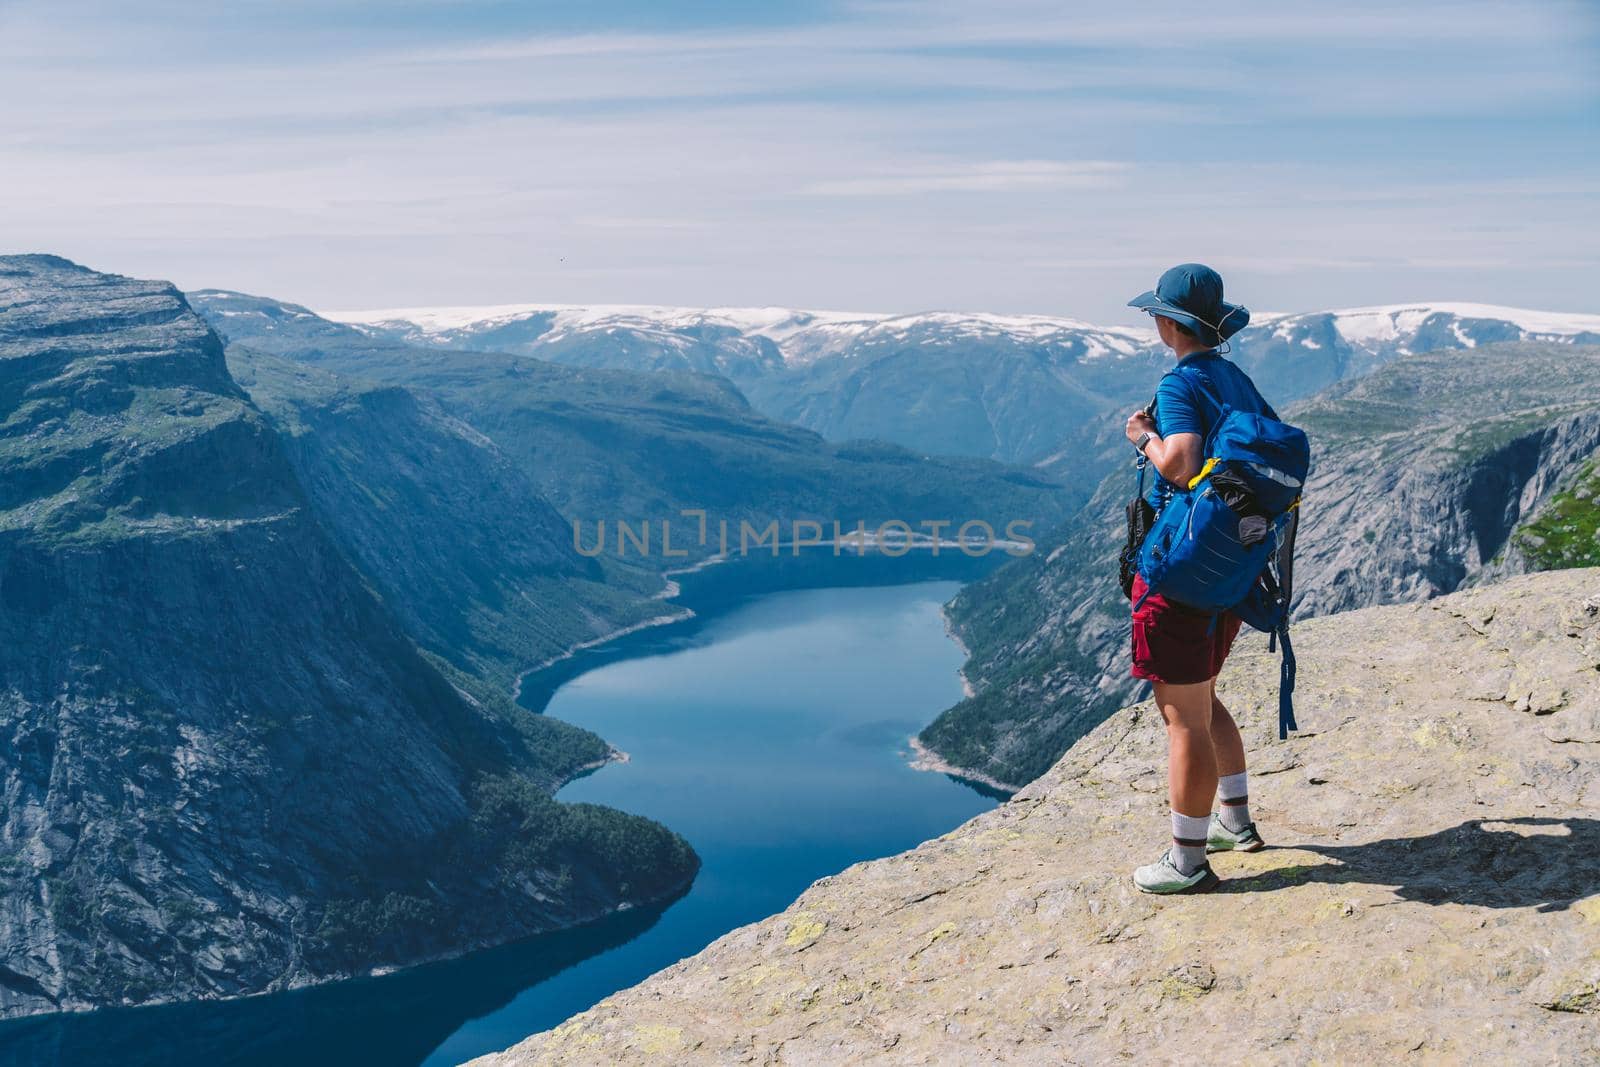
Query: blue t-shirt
{"points": [[1182, 408]]}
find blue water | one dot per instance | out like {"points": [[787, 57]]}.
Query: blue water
{"points": [[775, 741], [771, 732]]}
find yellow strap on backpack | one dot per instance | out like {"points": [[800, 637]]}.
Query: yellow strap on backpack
{"points": [[1204, 471]]}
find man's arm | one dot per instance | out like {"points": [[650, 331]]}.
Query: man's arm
{"points": [[1176, 457]]}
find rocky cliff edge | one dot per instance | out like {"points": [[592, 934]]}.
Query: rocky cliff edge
{"points": [[1431, 890]]}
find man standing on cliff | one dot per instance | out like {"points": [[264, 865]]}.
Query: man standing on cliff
{"points": [[1177, 649]]}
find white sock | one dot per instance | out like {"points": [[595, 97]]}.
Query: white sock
{"points": [[1235, 797], [1189, 841]]}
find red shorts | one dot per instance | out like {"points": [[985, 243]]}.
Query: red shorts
{"points": [[1176, 645]]}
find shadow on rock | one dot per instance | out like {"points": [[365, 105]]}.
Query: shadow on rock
{"points": [[1547, 863]]}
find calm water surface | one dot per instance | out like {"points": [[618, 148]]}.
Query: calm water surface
{"points": [[770, 732]]}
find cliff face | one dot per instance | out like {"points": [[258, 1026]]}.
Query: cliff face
{"points": [[224, 768], [475, 564], [1421, 473], [1431, 886], [1427, 469]]}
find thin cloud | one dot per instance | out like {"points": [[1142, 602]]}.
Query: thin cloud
{"points": [[992, 177]]}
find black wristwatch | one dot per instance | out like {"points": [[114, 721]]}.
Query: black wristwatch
{"points": [[1143, 440]]}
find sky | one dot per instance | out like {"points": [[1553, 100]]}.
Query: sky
{"points": [[875, 155]]}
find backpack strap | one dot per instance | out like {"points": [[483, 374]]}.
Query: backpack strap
{"points": [[1201, 389], [1286, 560], [1286, 685], [1286, 587]]}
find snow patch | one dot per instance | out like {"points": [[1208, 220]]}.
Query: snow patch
{"points": [[801, 336], [1390, 323]]}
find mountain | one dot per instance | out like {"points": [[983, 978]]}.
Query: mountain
{"points": [[1293, 356], [628, 446], [1422, 472], [1428, 891], [226, 767], [751, 340], [1022, 388], [473, 561], [1011, 388]]}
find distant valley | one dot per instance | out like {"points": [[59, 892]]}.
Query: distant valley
{"points": [[265, 604], [1052, 393], [270, 578]]}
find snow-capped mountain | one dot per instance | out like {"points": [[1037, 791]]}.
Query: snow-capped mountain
{"points": [[996, 385], [628, 335], [1300, 353], [1000, 386], [802, 337], [1417, 325], [1020, 388]]}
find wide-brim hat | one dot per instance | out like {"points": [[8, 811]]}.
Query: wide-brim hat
{"points": [[1191, 294]]}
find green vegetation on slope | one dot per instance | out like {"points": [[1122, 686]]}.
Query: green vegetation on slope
{"points": [[1566, 531], [515, 831]]}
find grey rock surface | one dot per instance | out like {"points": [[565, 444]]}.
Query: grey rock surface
{"points": [[1431, 889]]}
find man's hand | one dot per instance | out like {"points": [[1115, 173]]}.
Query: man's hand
{"points": [[1139, 424]]}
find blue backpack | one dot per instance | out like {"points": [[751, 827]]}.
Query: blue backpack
{"points": [[1217, 545]]}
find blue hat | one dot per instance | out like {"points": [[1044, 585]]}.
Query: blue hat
{"points": [[1191, 293]]}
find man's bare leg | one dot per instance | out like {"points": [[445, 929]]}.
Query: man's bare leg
{"points": [[1225, 738], [1191, 783], [1232, 783], [1191, 752]]}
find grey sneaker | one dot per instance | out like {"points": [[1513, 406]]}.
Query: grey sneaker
{"points": [[1221, 839], [1162, 877]]}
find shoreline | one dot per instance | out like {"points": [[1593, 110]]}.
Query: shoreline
{"points": [[669, 589], [613, 755], [922, 757], [623, 631], [926, 759], [966, 653]]}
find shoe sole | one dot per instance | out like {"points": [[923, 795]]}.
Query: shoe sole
{"points": [[1255, 846], [1204, 885]]}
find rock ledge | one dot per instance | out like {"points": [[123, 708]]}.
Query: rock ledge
{"points": [[1432, 886]]}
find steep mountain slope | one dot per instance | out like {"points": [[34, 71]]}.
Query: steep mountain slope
{"points": [[1435, 852], [225, 767], [1565, 533], [1023, 388], [628, 446], [478, 567], [1421, 471]]}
